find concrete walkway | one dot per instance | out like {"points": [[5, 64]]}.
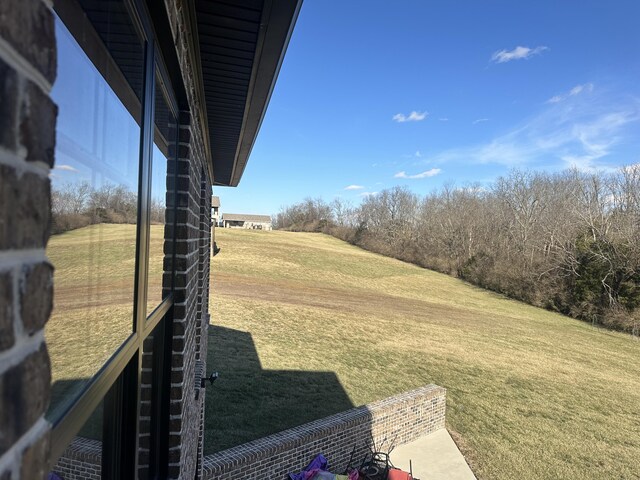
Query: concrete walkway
{"points": [[434, 457]]}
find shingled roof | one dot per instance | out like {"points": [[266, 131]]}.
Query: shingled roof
{"points": [[215, 201], [241, 217]]}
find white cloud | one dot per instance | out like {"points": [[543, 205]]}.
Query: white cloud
{"points": [[366, 194], [587, 87], [429, 173], [354, 187], [518, 53], [596, 139], [480, 120], [581, 131], [417, 154], [577, 90], [66, 168], [412, 117]]}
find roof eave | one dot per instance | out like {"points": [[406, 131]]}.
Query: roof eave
{"points": [[276, 26]]}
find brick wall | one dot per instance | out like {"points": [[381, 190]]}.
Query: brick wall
{"points": [[192, 200], [81, 460], [27, 138], [193, 243], [398, 419], [187, 402]]}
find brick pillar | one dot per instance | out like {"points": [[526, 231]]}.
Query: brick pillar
{"points": [[27, 141], [204, 248], [187, 399], [204, 251]]}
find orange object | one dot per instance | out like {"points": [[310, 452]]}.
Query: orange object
{"points": [[395, 474]]}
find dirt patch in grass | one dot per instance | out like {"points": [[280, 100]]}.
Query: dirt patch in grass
{"points": [[315, 296], [469, 453]]}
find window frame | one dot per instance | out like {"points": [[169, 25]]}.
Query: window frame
{"points": [[164, 88], [118, 381]]}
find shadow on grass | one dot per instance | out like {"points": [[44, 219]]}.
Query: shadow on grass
{"points": [[248, 402], [63, 392]]}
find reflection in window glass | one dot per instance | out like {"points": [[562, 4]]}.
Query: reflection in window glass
{"points": [[153, 358], [94, 209], [165, 136], [86, 448]]}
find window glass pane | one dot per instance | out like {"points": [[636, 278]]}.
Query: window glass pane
{"points": [[94, 206], [160, 243], [83, 457]]}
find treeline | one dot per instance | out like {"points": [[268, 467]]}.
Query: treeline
{"points": [[77, 205], [568, 242]]}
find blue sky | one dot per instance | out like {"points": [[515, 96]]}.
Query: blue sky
{"points": [[482, 87]]}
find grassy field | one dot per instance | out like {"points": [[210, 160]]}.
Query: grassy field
{"points": [[305, 325], [93, 300]]}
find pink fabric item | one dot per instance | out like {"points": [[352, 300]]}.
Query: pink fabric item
{"points": [[396, 474]]}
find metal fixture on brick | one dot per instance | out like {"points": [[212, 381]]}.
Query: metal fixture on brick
{"points": [[211, 378]]}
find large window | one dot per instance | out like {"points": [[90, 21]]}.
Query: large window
{"points": [[95, 212], [111, 245], [160, 239]]}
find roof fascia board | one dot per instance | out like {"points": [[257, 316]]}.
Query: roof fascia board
{"points": [[276, 27], [193, 51]]}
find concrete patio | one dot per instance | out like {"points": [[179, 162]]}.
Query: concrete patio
{"points": [[433, 457]]}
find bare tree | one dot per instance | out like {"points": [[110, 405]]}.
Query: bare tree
{"points": [[567, 241]]}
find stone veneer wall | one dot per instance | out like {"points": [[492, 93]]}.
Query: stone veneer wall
{"points": [[27, 140], [399, 420]]}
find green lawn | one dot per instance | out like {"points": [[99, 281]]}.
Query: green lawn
{"points": [[305, 325]]}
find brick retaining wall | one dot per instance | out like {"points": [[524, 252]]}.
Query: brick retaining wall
{"points": [[399, 419], [81, 460]]}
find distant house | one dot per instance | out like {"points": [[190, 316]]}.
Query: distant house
{"points": [[240, 220], [215, 210]]}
